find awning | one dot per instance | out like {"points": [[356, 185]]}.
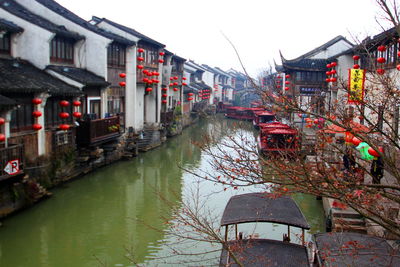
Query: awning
{"points": [[259, 207], [355, 127]]}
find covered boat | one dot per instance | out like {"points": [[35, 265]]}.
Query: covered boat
{"points": [[241, 113], [259, 207], [262, 117], [353, 249], [277, 138]]}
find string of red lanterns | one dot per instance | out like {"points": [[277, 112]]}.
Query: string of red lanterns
{"points": [[36, 114], [64, 115], [381, 60], [331, 73]]}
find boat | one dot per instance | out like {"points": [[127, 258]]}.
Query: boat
{"points": [[353, 249], [242, 113], [263, 117], [277, 138], [255, 251]]}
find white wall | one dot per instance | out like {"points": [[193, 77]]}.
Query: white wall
{"points": [[38, 50], [333, 50], [139, 107], [93, 54]]}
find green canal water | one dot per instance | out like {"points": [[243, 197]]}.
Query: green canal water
{"points": [[110, 216]]}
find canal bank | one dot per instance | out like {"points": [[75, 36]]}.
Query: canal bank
{"points": [[96, 218]]}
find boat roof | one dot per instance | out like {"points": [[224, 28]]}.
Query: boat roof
{"points": [[264, 113], [259, 207], [355, 249], [274, 124], [265, 252], [280, 131]]}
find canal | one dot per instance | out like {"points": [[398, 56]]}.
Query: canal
{"points": [[118, 213]]}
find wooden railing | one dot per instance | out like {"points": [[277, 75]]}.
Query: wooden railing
{"points": [[92, 132], [12, 161]]}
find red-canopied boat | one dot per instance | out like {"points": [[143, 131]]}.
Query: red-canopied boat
{"points": [[241, 113], [263, 117], [277, 139]]}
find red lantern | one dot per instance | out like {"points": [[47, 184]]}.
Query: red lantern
{"points": [[382, 48], [145, 80], [76, 103], [190, 94], [149, 73], [155, 81], [176, 89], [175, 83], [36, 113], [161, 53], [356, 57], [2, 138], [329, 66], [372, 152], [287, 82], [122, 75], [287, 88], [327, 80], [145, 72], [184, 84], [36, 101], [140, 58], [356, 141], [164, 101], [140, 67], [156, 74], [348, 137], [333, 79], [398, 54], [150, 81], [122, 84], [64, 127], [380, 71], [37, 127], [333, 71], [356, 66], [278, 86], [64, 103], [77, 114], [161, 61], [190, 98], [398, 67], [184, 78], [164, 95], [381, 60], [164, 89], [140, 50], [287, 76], [328, 73], [175, 77], [2, 121], [63, 115], [149, 89], [333, 64]]}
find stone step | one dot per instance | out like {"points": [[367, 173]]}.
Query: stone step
{"points": [[350, 221], [349, 228], [346, 214]]}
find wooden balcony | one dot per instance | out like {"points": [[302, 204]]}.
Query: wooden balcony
{"points": [[12, 161], [95, 132]]}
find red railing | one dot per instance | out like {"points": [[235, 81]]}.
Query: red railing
{"points": [[92, 132], [12, 161]]}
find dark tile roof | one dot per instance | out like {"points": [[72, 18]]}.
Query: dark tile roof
{"points": [[259, 207], [178, 58], [306, 64], [8, 26], [265, 252], [192, 64], [23, 13], [354, 249], [62, 11], [80, 75], [21, 76], [142, 37], [214, 70]]}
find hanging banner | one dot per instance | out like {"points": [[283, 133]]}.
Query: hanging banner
{"points": [[356, 86]]}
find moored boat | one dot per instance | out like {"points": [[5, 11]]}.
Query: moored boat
{"points": [[277, 138], [249, 251]]}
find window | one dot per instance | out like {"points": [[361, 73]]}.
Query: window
{"points": [[21, 118], [62, 50], [5, 44], [116, 54], [52, 111]]}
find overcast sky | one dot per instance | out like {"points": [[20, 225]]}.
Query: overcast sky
{"points": [[194, 29]]}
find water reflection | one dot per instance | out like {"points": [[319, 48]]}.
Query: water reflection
{"points": [[94, 218]]}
